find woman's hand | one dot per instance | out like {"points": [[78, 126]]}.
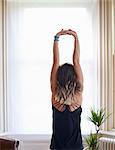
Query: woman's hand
{"points": [[65, 32], [62, 32], [73, 33]]}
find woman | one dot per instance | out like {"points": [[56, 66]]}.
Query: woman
{"points": [[67, 87]]}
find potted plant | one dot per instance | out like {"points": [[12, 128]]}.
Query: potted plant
{"points": [[97, 118]]}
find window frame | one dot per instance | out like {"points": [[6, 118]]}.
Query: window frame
{"points": [[2, 68]]}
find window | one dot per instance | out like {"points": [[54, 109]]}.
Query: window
{"points": [[30, 32]]}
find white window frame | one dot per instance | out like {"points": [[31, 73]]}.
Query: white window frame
{"points": [[1, 69], [3, 73], [55, 4]]}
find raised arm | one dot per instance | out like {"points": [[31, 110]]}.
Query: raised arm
{"points": [[54, 66], [76, 53], [76, 62], [76, 58], [55, 60]]}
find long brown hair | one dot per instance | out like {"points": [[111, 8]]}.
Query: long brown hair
{"points": [[66, 84]]}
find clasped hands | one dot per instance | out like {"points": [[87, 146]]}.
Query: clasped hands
{"points": [[69, 32]]}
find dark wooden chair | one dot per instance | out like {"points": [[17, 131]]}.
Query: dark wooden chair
{"points": [[8, 144]]}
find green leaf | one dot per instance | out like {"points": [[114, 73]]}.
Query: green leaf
{"points": [[98, 117], [92, 141]]}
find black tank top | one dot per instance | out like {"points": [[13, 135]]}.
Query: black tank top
{"points": [[66, 129]]}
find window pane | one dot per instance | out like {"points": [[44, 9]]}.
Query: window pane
{"points": [[30, 50]]}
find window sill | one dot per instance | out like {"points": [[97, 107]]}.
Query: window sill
{"points": [[28, 137], [110, 133]]}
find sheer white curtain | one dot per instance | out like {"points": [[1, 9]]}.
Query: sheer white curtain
{"points": [[30, 32]]}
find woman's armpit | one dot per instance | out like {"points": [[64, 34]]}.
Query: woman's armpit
{"points": [[79, 87]]}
